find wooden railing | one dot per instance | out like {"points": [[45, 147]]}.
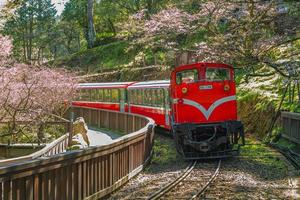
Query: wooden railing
{"points": [[291, 126], [84, 174], [57, 146]]}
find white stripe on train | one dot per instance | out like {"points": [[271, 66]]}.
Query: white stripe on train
{"points": [[208, 112]]}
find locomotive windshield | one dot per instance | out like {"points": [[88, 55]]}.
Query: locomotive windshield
{"points": [[187, 76], [217, 74]]}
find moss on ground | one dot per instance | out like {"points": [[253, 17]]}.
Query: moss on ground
{"points": [[165, 156], [282, 142], [164, 151], [265, 157]]}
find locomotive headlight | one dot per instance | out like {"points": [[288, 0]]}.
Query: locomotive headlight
{"points": [[226, 87], [184, 90]]}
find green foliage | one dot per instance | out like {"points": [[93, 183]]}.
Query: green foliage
{"points": [[105, 39], [256, 112], [31, 28], [260, 154], [286, 143], [29, 134], [99, 58], [71, 148], [164, 151]]}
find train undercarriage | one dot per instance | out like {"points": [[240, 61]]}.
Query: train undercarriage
{"points": [[207, 141]]}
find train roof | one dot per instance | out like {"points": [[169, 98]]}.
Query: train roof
{"points": [[202, 64], [151, 84], [105, 85]]}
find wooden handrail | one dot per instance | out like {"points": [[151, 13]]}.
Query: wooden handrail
{"points": [[91, 173], [290, 124], [37, 154]]}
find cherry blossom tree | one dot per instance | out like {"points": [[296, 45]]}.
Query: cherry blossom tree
{"points": [[31, 93], [6, 48], [250, 35], [247, 35]]}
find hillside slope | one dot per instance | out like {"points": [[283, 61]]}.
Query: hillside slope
{"points": [[99, 58]]}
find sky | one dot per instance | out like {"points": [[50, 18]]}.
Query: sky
{"points": [[59, 4]]}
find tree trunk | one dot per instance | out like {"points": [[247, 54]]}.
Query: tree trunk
{"points": [[29, 50], [91, 28], [40, 133], [24, 45]]}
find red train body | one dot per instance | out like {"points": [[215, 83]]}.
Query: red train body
{"points": [[198, 105]]}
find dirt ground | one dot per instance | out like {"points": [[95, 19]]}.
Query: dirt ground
{"points": [[258, 173]]}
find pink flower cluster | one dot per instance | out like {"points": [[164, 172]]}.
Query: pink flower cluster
{"points": [[5, 49], [170, 20], [30, 92]]}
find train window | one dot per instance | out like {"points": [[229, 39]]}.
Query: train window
{"points": [[131, 96], [154, 97], [134, 93], [147, 97], [139, 97], [94, 95], [85, 95], [107, 95], [217, 74], [187, 76], [115, 95], [100, 94], [160, 97]]}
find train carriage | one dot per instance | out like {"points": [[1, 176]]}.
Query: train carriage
{"points": [[151, 99], [111, 96], [198, 105]]}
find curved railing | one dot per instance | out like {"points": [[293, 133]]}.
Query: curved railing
{"points": [[57, 146], [84, 174]]}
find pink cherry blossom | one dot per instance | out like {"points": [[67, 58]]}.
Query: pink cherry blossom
{"points": [[29, 92]]}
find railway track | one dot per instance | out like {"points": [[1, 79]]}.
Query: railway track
{"points": [[191, 184], [290, 155]]}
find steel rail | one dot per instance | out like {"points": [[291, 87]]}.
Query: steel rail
{"points": [[171, 185], [288, 154], [212, 178]]}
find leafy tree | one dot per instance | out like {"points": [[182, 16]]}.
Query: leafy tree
{"points": [[251, 34], [76, 14], [246, 34], [29, 28]]}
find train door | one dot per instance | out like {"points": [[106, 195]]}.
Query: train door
{"points": [[184, 91], [167, 106]]}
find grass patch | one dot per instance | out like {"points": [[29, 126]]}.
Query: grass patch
{"points": [[164, 151], [282, 142], [264, 157], [98, 58]]}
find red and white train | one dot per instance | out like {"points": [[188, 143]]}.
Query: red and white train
{"points": [[198, 105]]}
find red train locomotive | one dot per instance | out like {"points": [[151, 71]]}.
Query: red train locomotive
{"points": [[198, 105]]}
